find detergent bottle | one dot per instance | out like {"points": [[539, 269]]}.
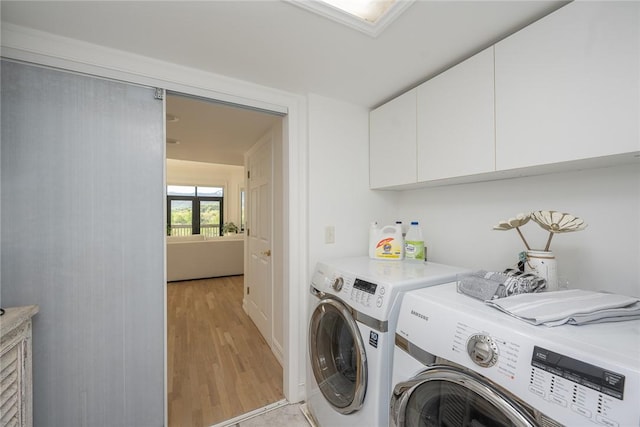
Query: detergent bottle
{"points": [[387, 242], [414, 248]]}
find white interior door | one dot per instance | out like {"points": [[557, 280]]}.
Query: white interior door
{"points": [[259, 271]]}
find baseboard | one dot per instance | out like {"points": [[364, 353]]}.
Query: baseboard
{"points": [[278, 352]]}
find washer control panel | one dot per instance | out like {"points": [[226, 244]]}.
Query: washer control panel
{"points": [[360, 293], [364, 292]]}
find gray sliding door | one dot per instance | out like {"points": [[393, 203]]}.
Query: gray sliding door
{"points": [[82, 236]]}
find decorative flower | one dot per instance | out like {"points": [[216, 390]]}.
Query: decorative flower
{"points": [[552, 221], [557, 222], [517, 222]]}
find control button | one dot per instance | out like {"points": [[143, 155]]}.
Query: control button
{"points": [[337, 284], [382, 290], [606, 421], [582, 411], [536, 391], [558, 401], [379, 302]]}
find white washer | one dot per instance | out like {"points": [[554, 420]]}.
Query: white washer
{"points": [[353, 311], [457, 359]]}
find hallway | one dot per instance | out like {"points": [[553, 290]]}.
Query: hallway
{"points": [[219, 366]]}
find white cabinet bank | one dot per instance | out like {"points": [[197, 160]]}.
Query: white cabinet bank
{"points": [[560, 94]]}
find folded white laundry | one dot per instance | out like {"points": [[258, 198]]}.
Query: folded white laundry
{"points": [[575, 306]]}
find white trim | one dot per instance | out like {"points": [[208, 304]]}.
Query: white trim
{"points": [[276, 349], [37, 47], [252, 414], [165, 326], [55, 51]]}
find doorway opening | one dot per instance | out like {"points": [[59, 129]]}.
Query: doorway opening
{"points": [[207, 143]]}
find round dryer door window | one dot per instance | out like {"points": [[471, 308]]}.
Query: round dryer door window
{"points": [[337, 354], [446, 396]]}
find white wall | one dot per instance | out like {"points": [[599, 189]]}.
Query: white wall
{"points": [[339, 194], [182, 172], [457, 223], [338, 189]]}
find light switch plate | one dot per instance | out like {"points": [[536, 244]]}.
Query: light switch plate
{"points": [[329, 234]]}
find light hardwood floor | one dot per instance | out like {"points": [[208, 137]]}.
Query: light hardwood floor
{"points": [[219, 366]]}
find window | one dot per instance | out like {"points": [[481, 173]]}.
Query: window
{"points": [[194, 210]]}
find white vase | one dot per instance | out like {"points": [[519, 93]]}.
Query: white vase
{"points": [[543, 264]]}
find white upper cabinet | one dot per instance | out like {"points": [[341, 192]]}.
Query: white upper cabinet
{"points": [[456, 132], [392, 142], [560, 94], [567, 86]]}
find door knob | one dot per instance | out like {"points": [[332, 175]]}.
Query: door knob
{"points": [[267, 252]]}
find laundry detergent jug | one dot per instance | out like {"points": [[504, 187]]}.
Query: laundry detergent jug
{"points": [[386, 242]]}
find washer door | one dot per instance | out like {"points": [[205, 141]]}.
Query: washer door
{"points": [[447, 396], [338, 357]]}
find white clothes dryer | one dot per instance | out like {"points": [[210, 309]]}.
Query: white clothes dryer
{"points": [[459, 362], [353, 311]]}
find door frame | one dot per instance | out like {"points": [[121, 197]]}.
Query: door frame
{"points": [[21, 43]]}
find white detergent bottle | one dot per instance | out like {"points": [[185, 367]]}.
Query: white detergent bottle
{"points": [[389, 243], [414, 243]]}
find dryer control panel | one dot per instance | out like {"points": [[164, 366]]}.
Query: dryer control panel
{"points": [[590, 391]]}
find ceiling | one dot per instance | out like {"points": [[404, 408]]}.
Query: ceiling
{"points": [[279, 45], [212, 132]]}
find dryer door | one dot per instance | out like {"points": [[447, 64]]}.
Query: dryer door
{"points": [[337, 354], [447, 396]]}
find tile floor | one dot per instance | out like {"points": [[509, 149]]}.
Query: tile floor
{"points": [[278, 415]]}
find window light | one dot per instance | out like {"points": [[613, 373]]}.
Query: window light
{"points": [[369, 10], [368, 16]]}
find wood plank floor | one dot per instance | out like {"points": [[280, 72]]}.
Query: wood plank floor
{"points": [[219, 366]]}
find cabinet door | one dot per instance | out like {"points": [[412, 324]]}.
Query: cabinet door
{"points": [[392, 142], [456, 121], [567, 86]]}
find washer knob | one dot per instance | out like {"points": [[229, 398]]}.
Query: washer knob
{"points": [[337, 284], [482, 350]]}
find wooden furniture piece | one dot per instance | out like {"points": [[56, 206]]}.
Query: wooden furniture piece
{"points": [[15, 366]]}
